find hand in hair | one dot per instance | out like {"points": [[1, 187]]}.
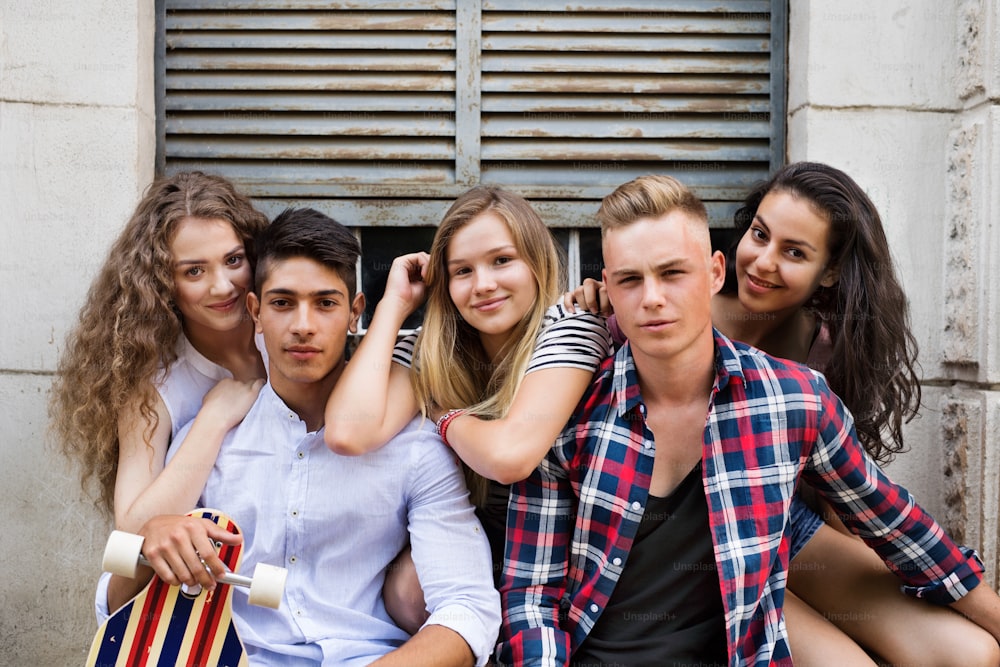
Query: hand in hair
{"points": [[405, 288], [373, 399]]}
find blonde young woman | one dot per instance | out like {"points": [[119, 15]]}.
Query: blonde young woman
{"points": [[164, 330], [496, 366]]}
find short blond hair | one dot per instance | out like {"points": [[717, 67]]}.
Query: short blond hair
{"points": [[649, 196]]}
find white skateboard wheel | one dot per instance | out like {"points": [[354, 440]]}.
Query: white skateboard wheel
{"points": [[121, 554], [268, 585]]}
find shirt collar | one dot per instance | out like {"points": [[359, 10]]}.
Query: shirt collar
{"points": [[727, 361], [625, 383]]}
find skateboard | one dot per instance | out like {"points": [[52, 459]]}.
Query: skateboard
{"points": [[173, 625]]}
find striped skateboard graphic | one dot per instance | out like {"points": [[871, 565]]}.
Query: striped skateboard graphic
{"points": [[165, 625]]}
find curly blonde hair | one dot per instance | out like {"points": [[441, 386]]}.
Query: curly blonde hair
{"points": [[128, 328]]}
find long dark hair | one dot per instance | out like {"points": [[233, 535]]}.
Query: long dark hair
{"points": [[873, 363]]}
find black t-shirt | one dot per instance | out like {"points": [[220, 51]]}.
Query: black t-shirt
{"points": [[666, 609], [493, 516]]}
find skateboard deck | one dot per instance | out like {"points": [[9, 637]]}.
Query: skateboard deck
{"points": [[165, 625]]}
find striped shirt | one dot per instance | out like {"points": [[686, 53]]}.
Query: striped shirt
{"points": [[567, 340], [770, 424]]}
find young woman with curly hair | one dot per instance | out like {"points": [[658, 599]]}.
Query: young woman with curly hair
{"points": [[164, 327]]}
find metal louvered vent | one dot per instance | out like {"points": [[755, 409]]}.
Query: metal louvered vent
{"points": [[380, 112]]}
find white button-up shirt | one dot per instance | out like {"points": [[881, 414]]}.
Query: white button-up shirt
{"points": [[336, 522]]}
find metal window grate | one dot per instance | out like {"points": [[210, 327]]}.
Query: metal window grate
{"points": [[380, 112]]}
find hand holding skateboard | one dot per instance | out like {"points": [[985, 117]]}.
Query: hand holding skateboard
{"points": [[167, 625], [123, 556]]}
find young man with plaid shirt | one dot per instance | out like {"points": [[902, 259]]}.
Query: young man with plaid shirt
{"points": [[620, 543]]}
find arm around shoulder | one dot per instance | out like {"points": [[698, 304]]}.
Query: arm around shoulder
{"points": [[562, 366], [507, 450]]}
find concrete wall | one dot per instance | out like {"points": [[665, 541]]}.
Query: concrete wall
{"points": [[905, 96], [76, 149]]}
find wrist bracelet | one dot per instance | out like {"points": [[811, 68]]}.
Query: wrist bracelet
{"points": [[442, 424]]}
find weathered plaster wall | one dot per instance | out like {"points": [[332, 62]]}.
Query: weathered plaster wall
{"points": [[76, 149], [906, 98]]}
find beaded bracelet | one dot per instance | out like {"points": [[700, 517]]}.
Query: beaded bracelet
{"points": [[442, 424]]}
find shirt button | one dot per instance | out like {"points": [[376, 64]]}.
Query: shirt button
{"points": [[301, 455], [295, 512], [291, 416], [293, 560], [594, 608], [616, 561], [636, 506]]}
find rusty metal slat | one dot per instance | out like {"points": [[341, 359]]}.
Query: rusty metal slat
{"points": [[635, 107], [583, 126], [360, 191], [311, 20], [623, 22], [322, 124], [395, 83], [286, 41], [433, 105], [419, 61], [318, 178], [342, 178], [638, 43], [582, 213], [309, 148], [392, 212], [626, 83], [327, 5], [370, 212], [633, 64], [635, 8], [718, 179], [623, 150]]}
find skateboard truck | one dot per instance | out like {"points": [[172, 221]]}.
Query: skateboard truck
{"points": [[123, 556]]}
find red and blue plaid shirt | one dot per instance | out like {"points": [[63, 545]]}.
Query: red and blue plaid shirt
{"points": [[770, 424]]}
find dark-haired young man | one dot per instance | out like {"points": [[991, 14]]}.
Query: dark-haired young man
{"points": [[335, 522]]}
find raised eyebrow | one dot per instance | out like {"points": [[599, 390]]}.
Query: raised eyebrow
{"points": [[622, 273], [191, 262], [285, 291], [672, 263], [492, 251], [680, 262], [796, 242]]}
